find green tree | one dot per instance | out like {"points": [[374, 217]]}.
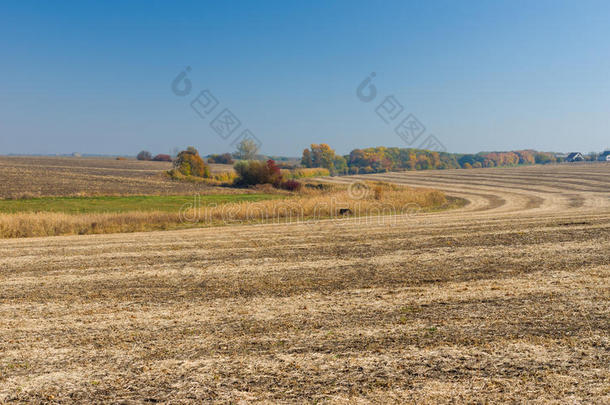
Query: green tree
{"points": [[340, 165], [306, 159], [543, 158]]}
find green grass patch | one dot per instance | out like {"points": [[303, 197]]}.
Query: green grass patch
{"points": [[83, 205]]}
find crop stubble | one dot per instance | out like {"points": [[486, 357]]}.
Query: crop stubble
{"points": [[505, 299]]}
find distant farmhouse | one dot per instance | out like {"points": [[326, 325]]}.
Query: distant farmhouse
{"points": [[604, 157], [575, 157]]}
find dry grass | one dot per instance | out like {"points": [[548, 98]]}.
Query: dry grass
{"points": [[310, 205], [22, 225], [305, 172], [226, 178], [505, 300]]}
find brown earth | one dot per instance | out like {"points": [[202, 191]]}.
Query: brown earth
{"points": [[504, 300], [41, 176]]}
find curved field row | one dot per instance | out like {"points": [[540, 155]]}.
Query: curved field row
{"points": [[506, 299], [508, 193]]}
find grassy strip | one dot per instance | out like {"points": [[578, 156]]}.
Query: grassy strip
{"points": [[308, 205], [115, 204]]}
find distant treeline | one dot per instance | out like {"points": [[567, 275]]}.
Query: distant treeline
{"points": [[382, 159]]}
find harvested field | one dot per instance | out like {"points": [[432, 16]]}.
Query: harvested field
{"points": [[33, 176], [504, 300]]}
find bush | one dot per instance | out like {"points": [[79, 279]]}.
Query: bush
{"points": [[254, 172], [291, 185], [225, 159], [224, 177], [144, 155], [189, 163], [162, 158], [306, 172], [215, 179]]}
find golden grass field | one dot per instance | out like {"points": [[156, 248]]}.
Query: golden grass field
{"points": [[287, 208], [506, 299]]}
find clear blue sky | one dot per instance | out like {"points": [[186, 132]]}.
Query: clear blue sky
{"points": [[95, 77]]}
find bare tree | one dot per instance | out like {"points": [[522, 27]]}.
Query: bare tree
{"points": [[246, 149], [144, 155]]}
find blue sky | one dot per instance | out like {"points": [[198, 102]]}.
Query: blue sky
{"points": [[95, 77]]}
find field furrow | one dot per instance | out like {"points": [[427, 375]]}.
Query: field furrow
{"points": [[506, 299]]}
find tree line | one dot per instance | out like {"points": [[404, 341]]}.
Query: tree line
{"points": [[385, 159]]}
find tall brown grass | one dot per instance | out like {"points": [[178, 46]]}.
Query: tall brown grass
{"points": [[22, 225], [309, 204], [315, 204]]}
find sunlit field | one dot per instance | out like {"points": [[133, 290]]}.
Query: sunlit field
{"points": [[504, 299]]}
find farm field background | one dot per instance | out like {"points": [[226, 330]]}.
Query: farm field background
{"points": [[166, 206], [42, 176], [505, 299]]}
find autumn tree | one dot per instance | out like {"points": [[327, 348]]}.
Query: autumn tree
{"points": [[225, 158], [306, 159], [321, 155], [144, 155], [189, 163]]}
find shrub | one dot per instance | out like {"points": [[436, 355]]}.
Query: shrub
{"points": [[225, 158], [254, 172], [319, 186], [144, 155], [291, 185], [306, 172], [224, 177], [189, 163], [162, 158], [215, 179]]}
